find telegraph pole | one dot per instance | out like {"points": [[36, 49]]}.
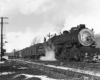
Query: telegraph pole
{"points": [[2, 52]]}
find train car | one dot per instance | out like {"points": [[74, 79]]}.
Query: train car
{"points": [[33, 52], [38, 50]]}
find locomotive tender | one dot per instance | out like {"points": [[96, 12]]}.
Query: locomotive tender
{"points": [[75, 45]]}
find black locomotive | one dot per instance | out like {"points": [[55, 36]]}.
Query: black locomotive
{"points": [[73, 45]]}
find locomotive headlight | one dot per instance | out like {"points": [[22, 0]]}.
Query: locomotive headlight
{"points": [[86, 37]]}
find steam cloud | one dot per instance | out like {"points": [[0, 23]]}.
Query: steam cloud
{"points": [[49, 52], [49, 55]]}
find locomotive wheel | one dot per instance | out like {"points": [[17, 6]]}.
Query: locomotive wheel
{"points": [[75, 54], [68, 55], [58, 53], [65, 55]]}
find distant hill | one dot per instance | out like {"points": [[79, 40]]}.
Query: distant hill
{"points": [[97, 39]]}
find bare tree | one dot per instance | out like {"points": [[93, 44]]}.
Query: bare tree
{"points": [[35, 40]]}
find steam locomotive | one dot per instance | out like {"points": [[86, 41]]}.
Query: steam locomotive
{"points": [[77, 44]]}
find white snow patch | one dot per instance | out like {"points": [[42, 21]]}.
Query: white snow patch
{"points": [[5, 57], [42, 77], [2, 62], [6, 73]]}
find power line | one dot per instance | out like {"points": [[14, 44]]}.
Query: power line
{"points": [[2, 52]]}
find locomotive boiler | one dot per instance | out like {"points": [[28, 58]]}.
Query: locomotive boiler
{"points": [[74, 44]]}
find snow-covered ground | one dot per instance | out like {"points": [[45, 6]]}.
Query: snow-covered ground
{"points": [[6, 73], [42, 77], [28, 76], [66, 68]]}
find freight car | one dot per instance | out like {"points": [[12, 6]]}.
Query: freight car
{"points": [[74, 45], [32, 52]]}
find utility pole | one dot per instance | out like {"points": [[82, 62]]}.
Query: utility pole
{"points": [[2, 52]]}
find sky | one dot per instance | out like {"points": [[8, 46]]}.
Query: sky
{"points": [[31, 20]]}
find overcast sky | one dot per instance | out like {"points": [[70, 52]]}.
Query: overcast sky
{"points": [[36, 18]]}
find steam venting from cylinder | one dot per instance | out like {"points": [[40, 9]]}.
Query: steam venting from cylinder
{"points": [[49, 53]]}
